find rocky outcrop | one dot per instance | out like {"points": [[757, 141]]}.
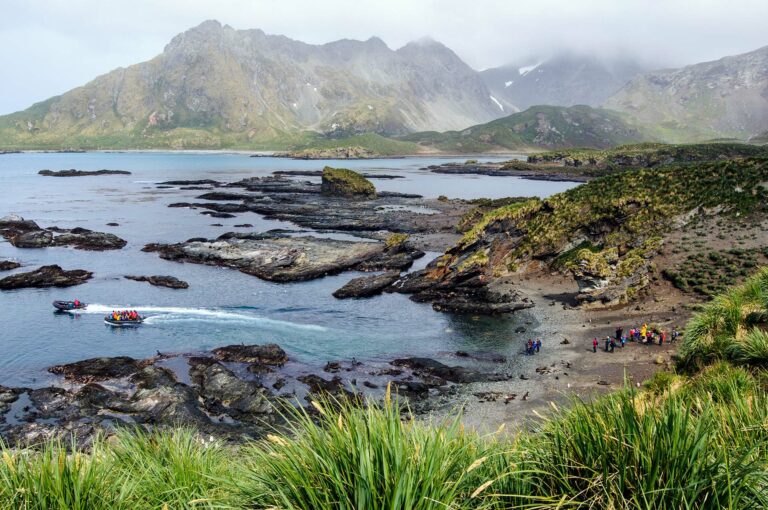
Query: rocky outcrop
{"points": [[276, 257], [333, 153], [426, 367], [98, 369], [367, 286], [46, 276], [467, 293], [23, 233], [81, 173], [346, 183], [281, 198], [7, 265], [198, 182], [319, 173], [217, 393], [268, 354], [84, 239], [160, 281]]}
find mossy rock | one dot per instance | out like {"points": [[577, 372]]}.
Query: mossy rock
{"points": [[346, 183], [396, 241]]}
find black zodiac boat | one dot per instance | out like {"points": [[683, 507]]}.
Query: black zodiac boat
{"points": [[66, 306]]}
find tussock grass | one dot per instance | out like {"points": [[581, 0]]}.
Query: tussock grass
{"points": [[734, 326], [700, 442]]}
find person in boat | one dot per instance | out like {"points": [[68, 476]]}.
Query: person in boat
{"points": [[77, 303]]}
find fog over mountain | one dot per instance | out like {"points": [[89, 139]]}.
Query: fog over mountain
{"points": [[49, 47]]}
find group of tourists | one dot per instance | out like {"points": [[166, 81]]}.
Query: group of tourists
{"points": [[644, 335], [532, 346], [125, 315]]}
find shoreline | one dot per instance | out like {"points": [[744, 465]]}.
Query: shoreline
{"points": [[267, 153]]}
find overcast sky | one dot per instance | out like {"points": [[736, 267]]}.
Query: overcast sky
{"points": [[50, 46]]}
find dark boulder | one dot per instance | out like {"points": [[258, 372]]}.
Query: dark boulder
{"points": [[84, 239], [7, 265], [33, 239], [46, 276], [225, 393], [98, 369], [427, 366], [267, 354], [367, 286]]}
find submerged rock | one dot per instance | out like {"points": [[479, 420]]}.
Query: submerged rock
{"points": [[160, 281], [367, 286], [198, 182], [81, 173], [45, 276]]}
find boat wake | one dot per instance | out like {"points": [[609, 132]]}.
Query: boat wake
{"points": [[170, 314]]}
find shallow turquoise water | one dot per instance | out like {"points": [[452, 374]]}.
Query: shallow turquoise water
{"points": [[222, 306]]}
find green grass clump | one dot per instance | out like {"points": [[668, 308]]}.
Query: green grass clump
{"points": [[646, 155], [731, 327], [351, 457]]}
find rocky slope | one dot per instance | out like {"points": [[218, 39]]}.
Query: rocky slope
{"points": [[607, 234], [563, 80], [539, 127], [723, 98], [216, 86]]}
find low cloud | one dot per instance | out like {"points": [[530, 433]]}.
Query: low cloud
{"points": [[48, 47]]}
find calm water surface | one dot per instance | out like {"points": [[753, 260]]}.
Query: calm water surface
{"points": [[222, 306]]}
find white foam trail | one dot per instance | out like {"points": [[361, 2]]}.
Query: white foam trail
{"points": [[179, 314]]}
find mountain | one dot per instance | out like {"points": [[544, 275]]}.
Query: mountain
{"points": [[726, 98], [216, 86], [540, 127], [564, 80]]}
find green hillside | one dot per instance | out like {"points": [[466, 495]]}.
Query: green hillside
{"points": [[539, 127]]}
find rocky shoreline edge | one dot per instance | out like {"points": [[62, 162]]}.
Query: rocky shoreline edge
{"points": [[233, 392]]}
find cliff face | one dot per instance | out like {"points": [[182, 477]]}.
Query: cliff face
{"points": [[213, 81], [723, 98]]}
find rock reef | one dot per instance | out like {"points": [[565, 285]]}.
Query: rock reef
{"points": [[160, 281], [282, 258], [23, 233], [233, 392], [81, 173], [45, 276]]}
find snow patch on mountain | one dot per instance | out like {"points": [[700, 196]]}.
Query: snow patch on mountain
{"points": [[527, 69]]}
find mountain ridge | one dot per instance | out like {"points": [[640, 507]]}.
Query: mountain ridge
{"points": [[215, 84], [723, 98]]}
